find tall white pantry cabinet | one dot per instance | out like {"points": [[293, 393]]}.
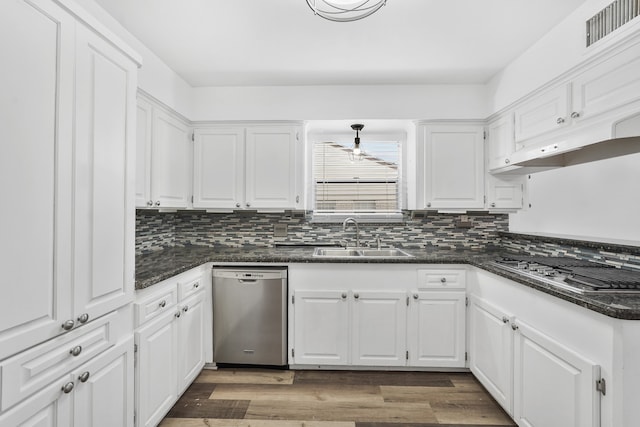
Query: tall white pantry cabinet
{"points": [[67, 115]]}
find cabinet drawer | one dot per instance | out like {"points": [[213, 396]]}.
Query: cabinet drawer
{"points": [[190, 286], [32, 370], [441, 279], [155, 304]]}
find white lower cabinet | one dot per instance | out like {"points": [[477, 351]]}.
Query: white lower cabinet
{"points": [[539, 381], [436, 329], [372, 318], [98, 393], [170, 340]]}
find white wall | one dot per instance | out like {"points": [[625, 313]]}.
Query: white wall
{"points": [[155, 77], [340, 102]]}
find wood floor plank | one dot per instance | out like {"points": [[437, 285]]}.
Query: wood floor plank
{"points": [[208, 422], [246, 376], [434, 394], [341, 411], [207, 408], [298, 393], [426, 379], [366, 424], [470, 413]]}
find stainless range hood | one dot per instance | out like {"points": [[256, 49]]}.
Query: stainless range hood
{"points": [[621, 139]]}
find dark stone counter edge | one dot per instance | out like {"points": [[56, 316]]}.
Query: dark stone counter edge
{"points": [[480, 260]]}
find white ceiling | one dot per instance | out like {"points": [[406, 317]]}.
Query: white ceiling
{"points": [[281, 42]]}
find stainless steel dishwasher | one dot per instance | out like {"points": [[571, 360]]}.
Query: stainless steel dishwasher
{"points": [[250, 316]]}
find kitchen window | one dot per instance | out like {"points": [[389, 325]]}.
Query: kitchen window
{"points": [[368, 188]]}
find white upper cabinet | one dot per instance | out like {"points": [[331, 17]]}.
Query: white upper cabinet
{"points": [[163, 162], [69, 169], [542, 113], [254, 167], [451, 166], [505, 191], [500, 142]]}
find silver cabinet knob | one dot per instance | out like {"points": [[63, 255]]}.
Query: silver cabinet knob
{"points": [[505, 319], [493, 204], [344, 295], [443, 280], [162, 304], [75, 351], [575, 115], [177, 314], [248, 205], [415, 296], [150, 203], [428, 204], [83, 377], [514, 327], [196, 285], [237, 205], [158, 203], [68, 325], [68, 387], [507, 161], [83, 318], [560, 120], [185, 308], [356, 296]]}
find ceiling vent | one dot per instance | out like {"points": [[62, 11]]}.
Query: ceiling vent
{"points": [[611, 18]]}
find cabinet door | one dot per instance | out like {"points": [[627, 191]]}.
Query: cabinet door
{"points": [[156, 369], [453, 165], [144, 129], [103, 395], [505, 192], [36, 41], [436, 329], [271, 168], [218, 168], [608, 85], [190, 340], [104, 217], [500, 143], [321, 323], [378, 336], [491, 350], [541, 114], [170, 161], [553, 386]]}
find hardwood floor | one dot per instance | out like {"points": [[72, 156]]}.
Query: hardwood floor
{"points": [[276, 398]]}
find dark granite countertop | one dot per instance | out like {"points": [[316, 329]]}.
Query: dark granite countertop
{"points": [[156, 266]]}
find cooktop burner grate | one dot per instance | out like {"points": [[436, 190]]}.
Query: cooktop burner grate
{"points": [[605, 278]]}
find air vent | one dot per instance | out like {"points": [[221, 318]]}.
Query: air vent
{"points": [[611, 18]]}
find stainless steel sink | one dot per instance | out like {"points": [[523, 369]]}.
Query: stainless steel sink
{"points": [[360, 253]]}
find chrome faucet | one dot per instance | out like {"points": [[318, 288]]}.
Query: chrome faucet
{"points": [[351, 220]]}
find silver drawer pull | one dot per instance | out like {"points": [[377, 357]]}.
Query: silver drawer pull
{"points": [[185, 308], [83, 318], [68, 325], [177, 314], [84, 376], [68, 387], [162, 304], [344, 295], [75, 351], [505, 319], [443, 280], [415, 296], [196, 285]]}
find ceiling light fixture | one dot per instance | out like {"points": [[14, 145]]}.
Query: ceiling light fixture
{"points": [[345, 10], [356, 153]]}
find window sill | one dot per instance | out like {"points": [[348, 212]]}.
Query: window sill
{"points": [[363, 218]]}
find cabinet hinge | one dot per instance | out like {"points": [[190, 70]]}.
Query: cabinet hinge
{"points": [[601, 386], [406, 355], [466, 356], [466, 301], [293, 353], [297, 136], [407, 301], [485, 199], [135, 348], [134, 418], [193, 137], [293, 299], [484, 134]]}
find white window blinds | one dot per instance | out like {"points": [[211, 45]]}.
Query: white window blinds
{"points": [[369, 185]]}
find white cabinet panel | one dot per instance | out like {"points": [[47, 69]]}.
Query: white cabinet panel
{"points": [[321, 321], [543, 113], [271, 167], [491, 350], [436, 329], [156, 369], [170, 161], [553, 386], [505, 192], [218, 169], [378, 330], [452, 166], [500, 142], [190, 340], [144, 131], [104, 203]]}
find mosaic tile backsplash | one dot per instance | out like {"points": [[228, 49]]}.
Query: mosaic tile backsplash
{"points": [[156, 230]]}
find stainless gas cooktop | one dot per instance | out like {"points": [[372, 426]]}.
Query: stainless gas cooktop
{"points": [[574, 275]]}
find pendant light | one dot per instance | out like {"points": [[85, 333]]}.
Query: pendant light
{"points": [[345, 10], [356, 154]]}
